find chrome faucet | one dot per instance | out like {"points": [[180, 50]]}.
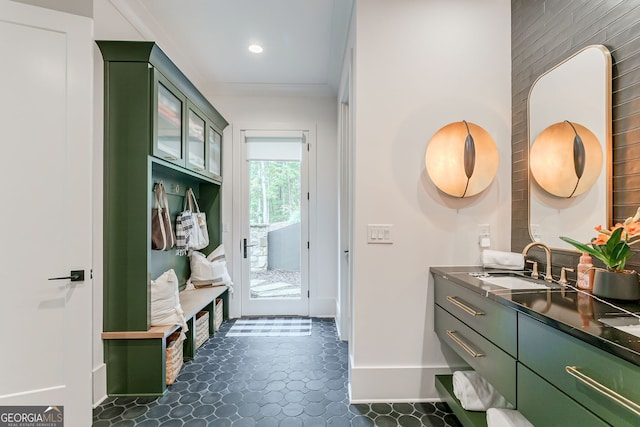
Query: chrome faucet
{"points": [[548, 277]]}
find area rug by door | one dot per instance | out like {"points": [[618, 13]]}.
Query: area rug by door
{"points": [[271, 327]]}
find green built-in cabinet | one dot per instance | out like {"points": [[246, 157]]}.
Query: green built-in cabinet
{"points": [[157, 127]]}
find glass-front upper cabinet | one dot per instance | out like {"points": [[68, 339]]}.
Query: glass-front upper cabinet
{"points": [[195, 140], [214, 149], [168, 132]]}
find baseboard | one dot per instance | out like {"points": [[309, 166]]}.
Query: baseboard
{"points": [[99, 384], [391, 384]]}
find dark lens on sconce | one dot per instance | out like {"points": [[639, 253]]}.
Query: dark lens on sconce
{"points": [[469, 156], [579, 156]]}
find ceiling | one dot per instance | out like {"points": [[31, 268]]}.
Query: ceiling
{"points": [[304, 41]]}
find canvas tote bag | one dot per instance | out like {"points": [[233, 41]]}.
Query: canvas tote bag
{"points": [[199, 237], [162, 236]]}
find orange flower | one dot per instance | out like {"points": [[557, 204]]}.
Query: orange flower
{"points": [[600, 240], [633, 228]]}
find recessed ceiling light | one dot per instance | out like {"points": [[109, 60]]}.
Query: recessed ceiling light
{"points": [[255, 48]]}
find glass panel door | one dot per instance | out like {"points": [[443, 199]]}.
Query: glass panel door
{"points": [[195, 142], [169, 130], [275, 251], [214, 145]]}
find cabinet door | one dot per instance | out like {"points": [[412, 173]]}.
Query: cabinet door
{"points": [[169, 103], [214, 150], [195, 140]]}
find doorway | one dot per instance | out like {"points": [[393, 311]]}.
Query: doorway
{"points": [[275, 222]]}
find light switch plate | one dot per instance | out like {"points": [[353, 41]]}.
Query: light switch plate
{"points": [[379, 233]]}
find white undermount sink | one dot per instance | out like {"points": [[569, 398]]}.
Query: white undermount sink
{"points": [[628, 324], [511, 282]]}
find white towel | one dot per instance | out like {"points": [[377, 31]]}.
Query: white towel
{"points": [[506, 418], [475, 393], [502, 260]]}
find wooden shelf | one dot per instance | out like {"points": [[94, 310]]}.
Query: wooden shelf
{"points": [[444, 385], [192, 301]]}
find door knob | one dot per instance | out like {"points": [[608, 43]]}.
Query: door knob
{"points": [[75, 276]]}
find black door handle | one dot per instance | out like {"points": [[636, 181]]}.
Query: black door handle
{"points": [[245, 246], [76, 276]]}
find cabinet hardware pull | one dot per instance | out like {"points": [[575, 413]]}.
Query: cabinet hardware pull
{"points": [[457, 303], [466, 347], [170, 157], [604, 390]]}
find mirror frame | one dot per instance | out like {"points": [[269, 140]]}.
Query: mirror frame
{"points": [[606, 144]]}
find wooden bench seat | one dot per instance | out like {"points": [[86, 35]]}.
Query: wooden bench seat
{"points": [[136, 359], [192, 301]]}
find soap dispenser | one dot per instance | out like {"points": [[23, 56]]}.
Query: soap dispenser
{"points": [[585, 272]]}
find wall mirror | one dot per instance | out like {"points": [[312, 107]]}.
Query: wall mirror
{"points": [[577, 90]]}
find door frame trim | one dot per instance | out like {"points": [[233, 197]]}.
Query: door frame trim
{"points": [[234, 254]]}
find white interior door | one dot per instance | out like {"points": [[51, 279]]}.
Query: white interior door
{"points": [[45, 117], [275, 225]]}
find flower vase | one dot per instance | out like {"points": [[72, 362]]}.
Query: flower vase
{"points": [[620, 285]]}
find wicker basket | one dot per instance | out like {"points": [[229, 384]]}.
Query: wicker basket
{"points": [[218, 314], [174, 356], [202, 328]]}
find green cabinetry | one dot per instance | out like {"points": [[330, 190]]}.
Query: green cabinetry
{"points": [[606, 385], [553, 377], [156, 128]]}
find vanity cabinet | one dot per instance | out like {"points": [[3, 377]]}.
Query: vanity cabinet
{"points": [[483, 333], [554, 377], [487, 317], [545, 405], [155, 129], [594, 378]]}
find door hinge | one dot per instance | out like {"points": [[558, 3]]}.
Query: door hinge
{"points": [[307, 196], [308, 245], [308, 294], [308, 145]]}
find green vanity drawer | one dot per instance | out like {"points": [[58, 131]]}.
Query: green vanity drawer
{"points": [[571, 364], [490, 361], [544, 405], [490, 319]]}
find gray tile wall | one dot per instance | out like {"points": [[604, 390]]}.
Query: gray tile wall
{"points": [[543, 33]]}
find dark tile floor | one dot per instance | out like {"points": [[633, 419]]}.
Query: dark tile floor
{"points": [[267, 381]]}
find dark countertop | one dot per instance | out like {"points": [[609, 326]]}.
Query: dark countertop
{"points": [[575, 312]]}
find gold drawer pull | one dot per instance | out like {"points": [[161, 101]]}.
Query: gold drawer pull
{"points": [[604, 390], [466, 347], [170, 157], [457, 303]]}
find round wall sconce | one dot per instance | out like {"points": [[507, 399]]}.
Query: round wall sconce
{"points": [[566, 159], [462, 159]]}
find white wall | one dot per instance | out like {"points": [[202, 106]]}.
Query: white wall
{"points": [[321, 111], [418, 66]]}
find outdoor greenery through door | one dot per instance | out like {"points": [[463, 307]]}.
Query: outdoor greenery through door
{"points": [[274, 195]]}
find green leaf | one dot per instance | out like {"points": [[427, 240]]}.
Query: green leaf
{"points": [[591, 250], [614, 239]]}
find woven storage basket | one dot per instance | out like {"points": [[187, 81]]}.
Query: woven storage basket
{"points": [[218, 314], [174, 356], [202, 328]]}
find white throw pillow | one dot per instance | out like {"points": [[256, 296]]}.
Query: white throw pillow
{"points": [[165, 301], [211, 270]]}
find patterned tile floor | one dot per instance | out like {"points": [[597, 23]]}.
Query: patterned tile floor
{"points": [[270, 382]]}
